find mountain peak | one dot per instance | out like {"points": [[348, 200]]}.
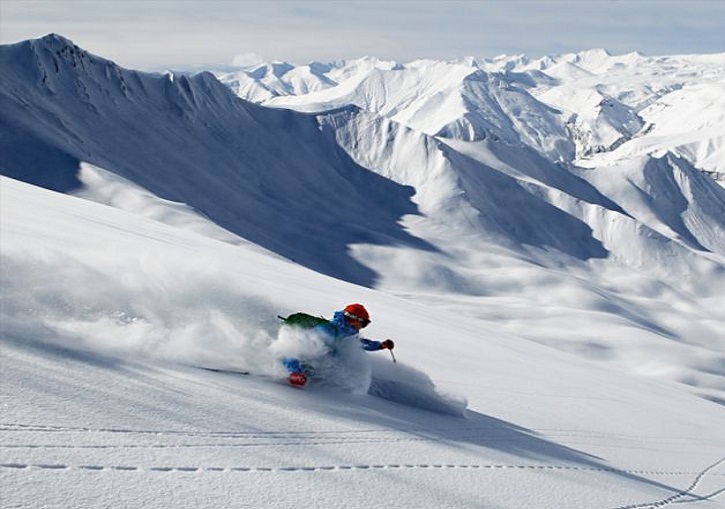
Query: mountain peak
{"points": [[56, 38], [56, 42], [61, 49]]}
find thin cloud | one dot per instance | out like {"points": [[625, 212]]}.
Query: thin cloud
{"points": [[155, 33]]}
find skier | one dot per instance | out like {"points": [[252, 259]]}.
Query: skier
{"points": [[345, 325]]}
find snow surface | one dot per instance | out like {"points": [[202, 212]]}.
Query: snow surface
{"points": [[564, 326]]}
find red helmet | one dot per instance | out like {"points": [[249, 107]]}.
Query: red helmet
{"points": [[357, 312]]}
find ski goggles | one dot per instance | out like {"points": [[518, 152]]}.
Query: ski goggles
{"points": [[363, 321]]}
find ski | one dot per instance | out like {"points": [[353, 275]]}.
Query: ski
{"points": [[230, 371]]}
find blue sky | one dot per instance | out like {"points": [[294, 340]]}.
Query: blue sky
{"points": [[149, 34]]}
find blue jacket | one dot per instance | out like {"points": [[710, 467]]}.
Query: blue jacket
{"points": [[337, 330], [333, 333]]}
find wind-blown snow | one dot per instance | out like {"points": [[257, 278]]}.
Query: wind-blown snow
{"points": [[552, 272]]}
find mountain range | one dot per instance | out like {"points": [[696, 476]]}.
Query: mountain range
{"points": [[356, 159], [533, 232]]}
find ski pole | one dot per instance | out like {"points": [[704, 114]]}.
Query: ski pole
{"points": [[392, 355]]}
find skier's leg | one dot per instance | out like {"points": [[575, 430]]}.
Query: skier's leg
{"points": [[292, 365], [296, 377]]}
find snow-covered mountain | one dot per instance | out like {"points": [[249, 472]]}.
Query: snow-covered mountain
{"points": [[570, 107], [189, 140], [532, 233]]}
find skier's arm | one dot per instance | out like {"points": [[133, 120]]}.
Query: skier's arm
{"points": [[372, 345]]}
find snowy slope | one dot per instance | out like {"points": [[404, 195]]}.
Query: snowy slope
{"points": [[689, 122], [632, 247], [104, 309]]}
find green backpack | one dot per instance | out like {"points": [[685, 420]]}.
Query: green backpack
{"points": [[303, 320]]}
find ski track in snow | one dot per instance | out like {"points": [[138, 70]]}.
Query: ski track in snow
{"points": [[484, 466], [676, 498], [292, 438], [304, 438]]}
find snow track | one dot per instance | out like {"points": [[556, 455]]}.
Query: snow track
{"points": [[686, 495], [17, 437], [159, 439], [328, 468]]}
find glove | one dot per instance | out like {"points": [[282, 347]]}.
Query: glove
{"points": [[388, 344]]}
